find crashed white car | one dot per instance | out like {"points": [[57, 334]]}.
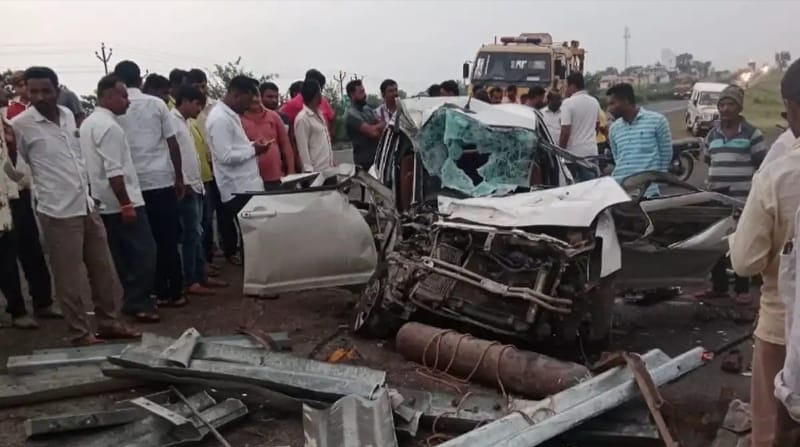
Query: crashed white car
{"points": [[471, 214]]}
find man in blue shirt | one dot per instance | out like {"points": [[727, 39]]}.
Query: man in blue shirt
{"points": [[640, 139]]}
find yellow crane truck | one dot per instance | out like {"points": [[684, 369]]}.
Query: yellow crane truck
{"points": [[525, 61]]}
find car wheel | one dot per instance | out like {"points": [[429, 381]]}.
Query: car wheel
{"points": [[371, 319], [688, 122]]}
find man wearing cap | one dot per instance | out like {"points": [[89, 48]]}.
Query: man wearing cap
{"points": [[736, 149]]}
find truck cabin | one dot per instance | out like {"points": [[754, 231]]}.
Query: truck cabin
{"points": [[526, 61]]}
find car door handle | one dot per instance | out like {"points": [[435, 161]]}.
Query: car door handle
{"points": [[256, 213]]}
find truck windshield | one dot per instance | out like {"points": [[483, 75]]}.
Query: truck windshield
{"points": [[708, 99], [512, 67]]}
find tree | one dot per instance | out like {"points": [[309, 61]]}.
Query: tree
{"points": [[5, 78], [683, 62], [592, 81], [221, 75], [782, 59], [402, 94], [609, 71], [373, 100], [89, 102]]}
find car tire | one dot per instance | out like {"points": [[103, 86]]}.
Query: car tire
{"points": [[371, 319], [688, 122], [597, 332]]}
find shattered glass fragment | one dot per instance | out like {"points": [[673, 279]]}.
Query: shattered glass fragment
{"points": [[451, 135]]}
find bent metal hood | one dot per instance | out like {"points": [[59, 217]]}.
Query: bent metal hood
{"points": [[575, 205]]}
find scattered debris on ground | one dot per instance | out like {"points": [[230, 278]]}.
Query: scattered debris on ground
{"points": [[341, 404]]}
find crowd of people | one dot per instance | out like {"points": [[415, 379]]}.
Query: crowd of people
{"points": [[126, 197]]}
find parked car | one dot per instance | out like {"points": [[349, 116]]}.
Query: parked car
{"points": [[471, 214], [702, 111]]}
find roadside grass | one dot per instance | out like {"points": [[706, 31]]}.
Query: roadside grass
{"points": [[763, 104]]}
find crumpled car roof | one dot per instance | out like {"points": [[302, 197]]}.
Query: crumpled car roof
{"points": [[413, 113], [568, 206]]}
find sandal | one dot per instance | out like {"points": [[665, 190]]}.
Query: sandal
{"points": [[118, 331], [87, 340], [199, 289], [234, 260], [215, 283], [180, 302]]}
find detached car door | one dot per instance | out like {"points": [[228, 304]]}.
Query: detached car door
{"points": [[304, 239]]}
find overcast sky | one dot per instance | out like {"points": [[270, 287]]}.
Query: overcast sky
{"points": [[416, 42]]}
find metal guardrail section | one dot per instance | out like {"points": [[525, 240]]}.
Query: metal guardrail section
{"points": [[567, 409], [46, 359], [351, 422], [286, 373]]}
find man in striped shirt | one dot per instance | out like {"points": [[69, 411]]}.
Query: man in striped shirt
{"points": [[735, 147], [640, 139], [735, 152]]}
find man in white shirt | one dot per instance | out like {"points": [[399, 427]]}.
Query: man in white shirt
{"points": [[767, 223], [47, 139], [189, 102], [780, 147], [212, 204], [27, 248], [157, 157], [551, 115], [787, 380], [233, 154], [311, 132], [115, 186], [580, 114]]}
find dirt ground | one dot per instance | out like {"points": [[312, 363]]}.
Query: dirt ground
{"points": [[696, 403]]}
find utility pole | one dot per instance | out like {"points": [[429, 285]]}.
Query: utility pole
{"points": [[103, 57], [627, 37], [339, 78]]}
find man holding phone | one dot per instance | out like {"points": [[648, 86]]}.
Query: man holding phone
{"points": [[233, 155]]}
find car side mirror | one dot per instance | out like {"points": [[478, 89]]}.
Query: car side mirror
{"points": [[694, 102], [465, 70]]}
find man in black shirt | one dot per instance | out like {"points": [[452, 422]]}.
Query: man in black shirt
{"points": [[363, 126]]}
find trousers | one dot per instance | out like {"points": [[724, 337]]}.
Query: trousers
{"points": [[134, 252], [162, 212], [72, 243]]}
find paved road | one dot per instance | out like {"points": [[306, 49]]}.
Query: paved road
{"points": [[666, 106]]}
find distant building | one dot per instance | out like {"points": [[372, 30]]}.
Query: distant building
{"points": [[609, 81], [643, 76]]}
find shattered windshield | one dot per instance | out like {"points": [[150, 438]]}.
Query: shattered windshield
{"points": [[473, 158], [513, 67]]}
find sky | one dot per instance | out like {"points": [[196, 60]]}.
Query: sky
{"points": [[415, 42]]}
